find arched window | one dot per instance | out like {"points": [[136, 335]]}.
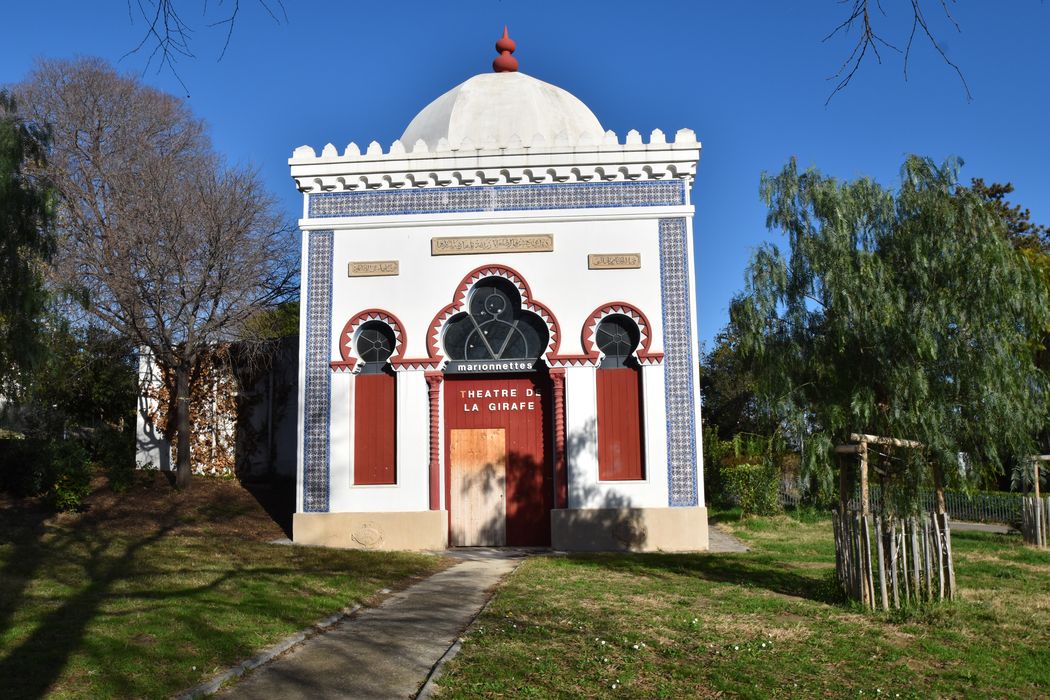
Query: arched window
{"points": [[375, 407], [495, 327], [619, 385], [617, 336], [375, 345]]}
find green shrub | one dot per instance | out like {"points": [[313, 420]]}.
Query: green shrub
{"points": [[70, 475], [114, 453], [23, 468], [753, 486], [715, 451], [59, 470]]}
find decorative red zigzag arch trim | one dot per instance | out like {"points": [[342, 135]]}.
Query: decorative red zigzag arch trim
{"points": [[592, 355], [349, 362], [459, 299]]}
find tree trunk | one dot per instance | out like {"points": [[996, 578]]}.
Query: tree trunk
{"points": [[938, 488], [183, 470]]}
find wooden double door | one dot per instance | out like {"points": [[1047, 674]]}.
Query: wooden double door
{"points": [[498, 459]]}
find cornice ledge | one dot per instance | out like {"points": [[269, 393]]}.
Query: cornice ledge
{"points": [[685, 139], [504, 173]]}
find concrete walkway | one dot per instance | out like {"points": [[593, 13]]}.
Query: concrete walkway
{"points": [[387, 651], [997, 528], [721, 541]]}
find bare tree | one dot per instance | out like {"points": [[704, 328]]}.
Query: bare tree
{"points": [[159, 238], [169, 35], [860, 21]]}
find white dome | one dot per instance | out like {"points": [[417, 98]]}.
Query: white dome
{"points": [[491, 109]]}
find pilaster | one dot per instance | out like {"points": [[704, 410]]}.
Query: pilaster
{"points": [[434, 380]]}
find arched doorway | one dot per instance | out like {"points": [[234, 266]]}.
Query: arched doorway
{"points": [[498, 457]]}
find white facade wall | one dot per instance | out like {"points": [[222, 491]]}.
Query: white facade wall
{"points": [[560, 280], [426, 284], [152, 449], [586, 490]]}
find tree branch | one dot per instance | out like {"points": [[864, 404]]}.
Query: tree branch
{"points": [[859, 19], [170, 36]]}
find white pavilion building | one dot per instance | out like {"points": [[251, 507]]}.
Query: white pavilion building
{"points": [[498, 341]]}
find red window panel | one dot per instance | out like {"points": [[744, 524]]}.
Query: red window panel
{"points": [[620, 455], [375, 429]]}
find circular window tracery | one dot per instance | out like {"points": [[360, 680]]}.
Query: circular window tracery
{"points": [[375, 344], [495, 327], [617, 337]]}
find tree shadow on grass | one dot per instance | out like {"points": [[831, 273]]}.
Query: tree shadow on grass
{"points": [[21, 527], [746, 570], [60, 581], [276, 495], [35, 664]]}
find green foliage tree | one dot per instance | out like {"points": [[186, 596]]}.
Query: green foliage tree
{"points": [[86, 381], [26, 241], [75, 408], [281, 321], [1033, 240], [905, 314], [1020, 230], [731, 409], [727, 388]]}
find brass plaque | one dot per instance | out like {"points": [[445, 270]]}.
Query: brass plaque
{"points": [[373, 268], [471, 245], [614, 261]]}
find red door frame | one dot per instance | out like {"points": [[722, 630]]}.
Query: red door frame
{"points": [[530, 454]]}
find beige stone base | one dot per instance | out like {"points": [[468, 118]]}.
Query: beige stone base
{"points": [[417, 530], [630, 529]]}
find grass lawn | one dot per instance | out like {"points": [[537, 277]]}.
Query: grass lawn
{"points": [[150, 592], [768, 623]]}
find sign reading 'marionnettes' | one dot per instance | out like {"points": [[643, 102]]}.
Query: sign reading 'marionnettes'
{"points": [[477, 366]]}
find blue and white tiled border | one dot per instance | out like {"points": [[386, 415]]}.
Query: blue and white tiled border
{"points": [[444, 200], [678, 363], [317, 393]]}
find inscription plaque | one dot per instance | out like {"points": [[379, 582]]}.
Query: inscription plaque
{"points": [[614, 261], [470, 245], [373, 268]]}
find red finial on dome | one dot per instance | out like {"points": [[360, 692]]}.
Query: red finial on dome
{"points": [[505, 63]]}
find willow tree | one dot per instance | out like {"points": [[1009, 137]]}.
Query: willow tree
{"points": [[900, 313]]}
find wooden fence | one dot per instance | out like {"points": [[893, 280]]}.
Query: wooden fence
{"points": [[1035, 520], [981, 507], [890, 562]]}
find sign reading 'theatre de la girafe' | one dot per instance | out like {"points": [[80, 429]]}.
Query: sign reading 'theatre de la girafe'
{"points": [[469, 245], [489, 400]]}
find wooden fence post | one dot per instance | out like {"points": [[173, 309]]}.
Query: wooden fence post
{"points": [[915, 556], [948, 556], [926, 558], [865, 504], [940, 558], [880, 535]]}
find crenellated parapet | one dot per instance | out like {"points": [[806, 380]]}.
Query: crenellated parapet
{"points": [[465, 164]]}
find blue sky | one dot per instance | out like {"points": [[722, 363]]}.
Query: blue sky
{"points": [[749, 77]]}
